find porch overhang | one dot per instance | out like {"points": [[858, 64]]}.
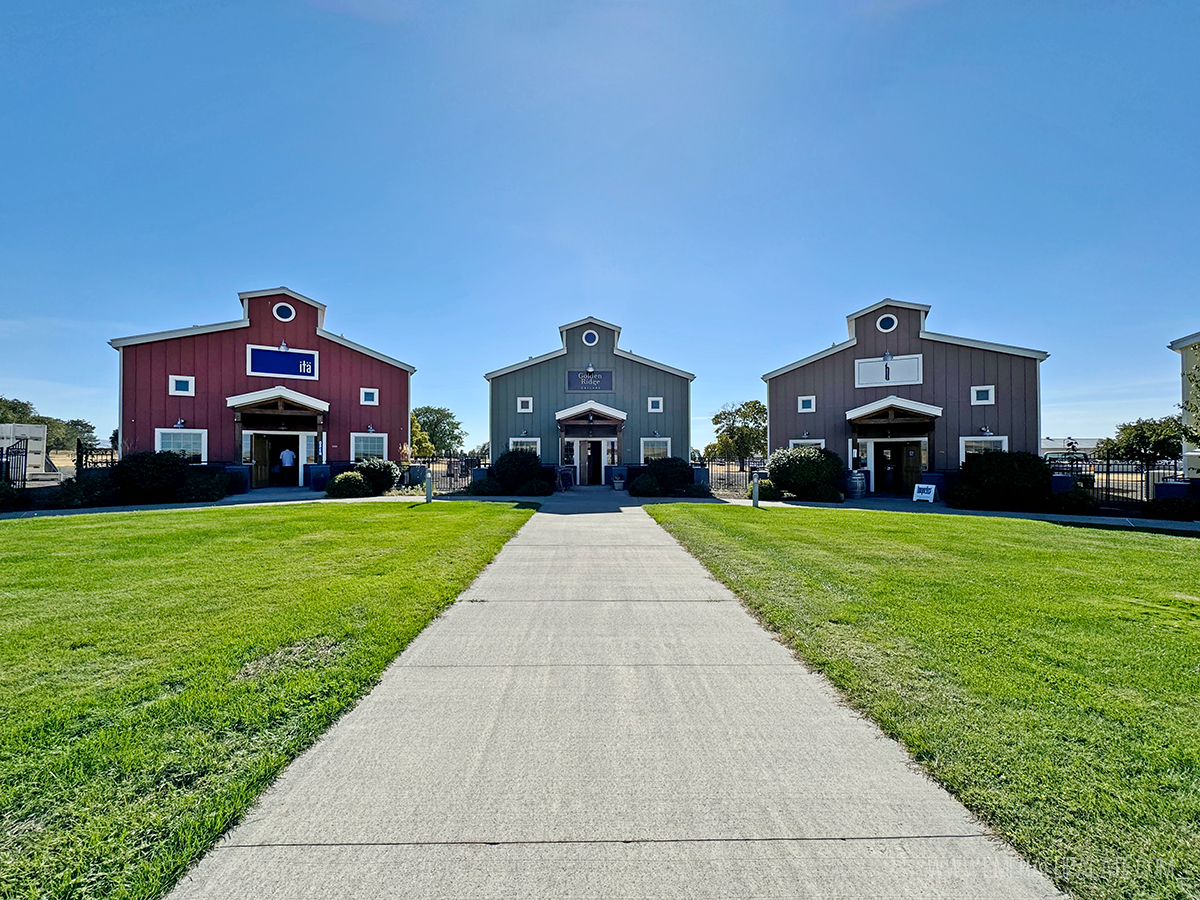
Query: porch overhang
{"points": [[277, 393], [891, 404], [590, 407]]}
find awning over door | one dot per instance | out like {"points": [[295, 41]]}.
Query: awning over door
{"points": [[278, 397], [892, 417], [591, 419]]}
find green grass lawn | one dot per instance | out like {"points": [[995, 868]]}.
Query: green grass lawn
{"points": [[159, 669], [1048, 676]]}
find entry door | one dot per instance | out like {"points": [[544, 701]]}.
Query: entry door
{"points": [[260, 461], [595, 462], [910, 465]]}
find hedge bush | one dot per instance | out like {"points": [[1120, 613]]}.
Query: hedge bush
{"points": [[10, 497], [820, 493], [536, 487], [201, 485], [156, 477], [485, 487], [1177, 509], [694, 490], [379, 474], [671, 473], [797, 469], [348, 484], [999, 479], [766, 490], [646, 485], [1078, 501], [516, 468]]}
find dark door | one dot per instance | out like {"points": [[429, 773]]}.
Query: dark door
{"points": [[595, 462], [887, 469], [284, 459], [260, 461], [910, 467]]}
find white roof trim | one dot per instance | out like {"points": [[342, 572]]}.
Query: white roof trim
{"points": [[886, 301], [1039, 355], [892, 400], [271, 292], [374, 354], [532, 361], [836, 348], [119, 342], [279, 392], [590, 406], [633, 357], [588, 320], [1184, 342]]}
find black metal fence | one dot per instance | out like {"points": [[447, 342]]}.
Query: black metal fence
{"points": [[13, 460], [730, 477], [1120, 485], [93, 457], [450, 473]]}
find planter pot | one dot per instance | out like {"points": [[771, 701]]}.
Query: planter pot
{"points": [[618, 484]]}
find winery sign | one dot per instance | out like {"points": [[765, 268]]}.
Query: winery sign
{"points": [[581, 380]]}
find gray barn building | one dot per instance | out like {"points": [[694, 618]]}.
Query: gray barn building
{"points": [[898, 400], [591, 405]]}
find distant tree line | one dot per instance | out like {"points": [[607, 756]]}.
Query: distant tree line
{"points": [[61, 434]]}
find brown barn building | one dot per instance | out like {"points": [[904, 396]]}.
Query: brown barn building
{"points": [[898, 400], [250, 391]]}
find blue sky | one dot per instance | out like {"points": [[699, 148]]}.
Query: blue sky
{"points": [[726, 181]]}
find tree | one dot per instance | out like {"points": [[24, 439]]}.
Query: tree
{"points": [[483, 451], [13, 411], [741, 431], [444, 431], [1145, 441], [1191, 404], [114, 438], [60, 435], [418, 441]]}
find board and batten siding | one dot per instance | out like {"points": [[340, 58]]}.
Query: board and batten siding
{"points": [[633, 383], [948, 373]]}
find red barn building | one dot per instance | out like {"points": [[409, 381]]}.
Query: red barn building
{"points": [[246, 391]]}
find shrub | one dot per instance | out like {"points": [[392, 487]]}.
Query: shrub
{"points": [[515, 469], [379, 474], [999, 479], [694, 490], [646, 485], [10, 497], [485, 487], [90, 488], [766, 490], [1078, 501], [203, 484], [1177, 509], [671, 473], [238, 483], [820, 493], [536, 487], [348, 484], [795, 469], [150, 477]]}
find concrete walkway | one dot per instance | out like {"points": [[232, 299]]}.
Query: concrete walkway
{"points": [[604, 720]]}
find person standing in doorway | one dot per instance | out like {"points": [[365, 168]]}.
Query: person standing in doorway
{"points": [[287, 465]]}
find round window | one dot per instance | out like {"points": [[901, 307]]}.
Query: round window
{"points": [[886, 323], [591, 338], [284, 312]]}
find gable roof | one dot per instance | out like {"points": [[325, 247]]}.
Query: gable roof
{"points": [[924, 409], [1183, 343], [246, 296], [886, 301], [279, 392], [590, 406], [617, 351]]}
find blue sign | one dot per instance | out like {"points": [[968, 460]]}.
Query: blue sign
{"points": [[283, 363], [578, 380]]}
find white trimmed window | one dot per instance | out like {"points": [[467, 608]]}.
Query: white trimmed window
{"points": [[367, 445], [524, 404], [980, 444], [190, 443], [983, 395], [181, 385], [368, 396], [654, 404], [526, 443], [806, 403], [807, 442], [655, 448]]}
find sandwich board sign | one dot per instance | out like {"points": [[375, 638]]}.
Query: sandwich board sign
{"points": [[925, 492]]}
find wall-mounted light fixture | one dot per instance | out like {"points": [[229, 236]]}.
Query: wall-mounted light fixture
{"points": [[283, 346], [985, 431], [804, 436], [590, 370], [370, 429], [179, 424]]}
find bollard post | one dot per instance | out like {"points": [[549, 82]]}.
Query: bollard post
{"points": [[428, 485], [754, 493]]}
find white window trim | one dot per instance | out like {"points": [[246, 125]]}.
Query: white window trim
{"points": [[190, 379], [370, 434], [962, 443], [203, 432], [650, 401], [524, 404], [806, 442], [527, 439], [595, 338], [642, 448], [316, 358], [362, 396], [990, 388], [895, 323], [275, 311], [800, 403], [859, 383]]}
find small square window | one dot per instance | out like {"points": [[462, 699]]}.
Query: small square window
{"points": [[181, 385], [983, 395], [806, 403], [524, 404], [368, 396], [654, 404]]}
